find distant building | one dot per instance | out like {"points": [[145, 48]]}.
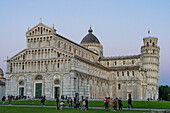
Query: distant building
{"points": [[53, 65], [2, 84]]}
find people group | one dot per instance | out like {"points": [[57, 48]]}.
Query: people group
{"points": [[113, 104]]}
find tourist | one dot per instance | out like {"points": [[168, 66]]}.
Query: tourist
{"points": [[57, 100], [77, 103], [44, 100], [86, 103], [9, 99], [111, 104], [120, 104], [74, 102], [129, 103], [115, 105], [61, 105], [3, 100], [69, 102], [107, 104]]}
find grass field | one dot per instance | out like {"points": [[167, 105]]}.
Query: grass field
{"points": [[8, 109], [136, 104]]}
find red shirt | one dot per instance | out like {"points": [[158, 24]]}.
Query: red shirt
{"points": [[115, 103], [107, 100], [9, 99]]}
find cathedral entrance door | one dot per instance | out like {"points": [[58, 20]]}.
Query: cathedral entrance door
{"points": [[38, 90], [57, 92], [21, 91]]}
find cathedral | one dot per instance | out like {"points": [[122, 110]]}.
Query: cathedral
{"points": [[53, 66]]}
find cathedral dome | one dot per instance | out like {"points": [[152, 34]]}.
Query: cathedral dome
{"points": [[90, 38], [1, 72]]}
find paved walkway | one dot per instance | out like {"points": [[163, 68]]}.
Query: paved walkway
{"points": [[91, 107]]}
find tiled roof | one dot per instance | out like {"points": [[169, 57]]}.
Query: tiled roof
{"points": [[120, 57], [109, 69]]}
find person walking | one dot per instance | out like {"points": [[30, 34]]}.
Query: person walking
{"points": [[3, 100], [111, 104], [115, 105], [120, 104], [86, 103], [129, 103]]}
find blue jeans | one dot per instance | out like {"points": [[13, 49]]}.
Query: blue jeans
{"points": [[129, 106]]}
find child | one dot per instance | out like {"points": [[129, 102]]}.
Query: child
{"points": [[84, 103], [61, 105], [115, 105]]}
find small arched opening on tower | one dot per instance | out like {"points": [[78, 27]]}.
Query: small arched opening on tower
{"points": [[153, 44]]}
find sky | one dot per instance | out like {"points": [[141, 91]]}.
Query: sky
{"points": [[120, 25]]}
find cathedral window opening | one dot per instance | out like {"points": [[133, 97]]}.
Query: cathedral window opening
{"points": [[22, 67], [21, 83], [128, 73], [38, 77], [64, 46], [74, 50], [119, 86], [58, 65], [123, 62], [115, 62], [57, 82], [58, 54], [23, 57], [153, 44], [70, 49], [133, 61], [117, 73], [122, 73], [150, 41], [107, 63], [133, 73], [58, 44], [147, 44], [153, 51]]}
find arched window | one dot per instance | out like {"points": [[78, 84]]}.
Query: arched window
{"points": [[153, 51], [38, 77], [133, 73], [74, 50], [64, 46], [122, 73], [133, 61], [123, 62], [147, 44], [119, 87], [128, 73], [21, 83], [70, 49], [115, 62], [58, 44], [117, 73], [153, 44], [57, 82]]}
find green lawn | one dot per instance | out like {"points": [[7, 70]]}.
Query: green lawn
{"points": [[8, 109], [136, 104]]}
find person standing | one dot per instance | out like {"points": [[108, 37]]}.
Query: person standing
{"points": [[77, 103], [3, 100], [9, 100], [115, 105], [120, 104], [107, 102], [111, 104], [86, 101]]}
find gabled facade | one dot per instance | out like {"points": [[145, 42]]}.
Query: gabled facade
{"points": [[53, 65]]}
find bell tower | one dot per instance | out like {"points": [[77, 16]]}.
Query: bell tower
{"points": [[150, 53]]}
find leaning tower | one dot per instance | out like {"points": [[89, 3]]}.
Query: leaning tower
{"points": [[150, 63]]}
